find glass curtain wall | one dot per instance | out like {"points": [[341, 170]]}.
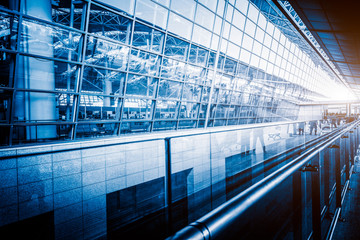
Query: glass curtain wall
{"points": [[81, 69]]}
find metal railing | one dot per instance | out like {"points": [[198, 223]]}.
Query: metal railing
{"points": [[332, 158]]}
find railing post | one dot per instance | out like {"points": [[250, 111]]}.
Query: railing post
{"points": [[336, 160], [326, 156], [168, 193], [315, 192], [345, 141], [297, 206]]}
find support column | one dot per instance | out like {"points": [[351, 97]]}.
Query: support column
{"points": [[35, 73]]}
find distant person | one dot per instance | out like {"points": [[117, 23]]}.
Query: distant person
{"points": [[301, 127], [313, 127], [333, 122]]}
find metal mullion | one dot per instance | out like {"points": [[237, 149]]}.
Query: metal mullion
{"points": [[84, 25], [215, 65], [16, 62], [126, 75]]}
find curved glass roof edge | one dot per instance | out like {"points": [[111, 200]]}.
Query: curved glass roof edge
{"points": [[286, 5]]}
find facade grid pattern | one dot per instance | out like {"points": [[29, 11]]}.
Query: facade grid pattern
{"points": [[81, 69]]}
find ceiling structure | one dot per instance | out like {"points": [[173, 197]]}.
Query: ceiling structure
{"points": [[336, 27]]}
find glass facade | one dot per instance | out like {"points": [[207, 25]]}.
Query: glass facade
{"points": [[81, 69]]}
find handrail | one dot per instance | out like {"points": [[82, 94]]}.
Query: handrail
{"points": [[176, 134], [225, 218]]}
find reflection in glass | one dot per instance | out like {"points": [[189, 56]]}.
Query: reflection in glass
{"points": [[92, 130], [102, 81], [136, 108], [166, 109], [138, 85], [144, 62], [148, 38], [98, 107], [169, 89], [40, 38], [109, 25], [188, 110], [108, 54]]}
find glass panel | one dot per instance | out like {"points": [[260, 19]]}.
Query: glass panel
{"points": [[191, 92], [186, 124], [179, 25], [101, 81], [173, 69], [169, 89], [198, 55], [184, 7], [5, 106], [164, 125], [134, 127], [141, 85], [107, 24], [201, 36], [43, 107], [7, 64], [196, 75], [8, 29], [144, 62], [147, 38], [202, 111], [126, 6], [51, 41], [96, 130], [204, 17], [152, 13], [98, 107], [33, 134], [188, 110], [166, 109], [61, 12], [176, 48], [135, 108], [104, 53]]}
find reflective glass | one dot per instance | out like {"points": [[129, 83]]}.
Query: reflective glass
{"points": [[134, 127], [184, 7], [43, 107], [8, 29], [94, 107], [202, 111], [179, 25], [191, 92], [169, 89], [204, 17], [233, 50], [151, 13], [201, 36], [101, 81], [144, 62], [61, 13], [51, 41], [196, 75], [173, 69], [164, 125], [94, 130], [110, 25], [250, 28], [143, 86], [46, 74], [198, 55], [188, 110], [147, 38], [242, 5], [210, 4], [108, 54], [236, 35], [166, 109], [39, 133], [239, 20], [126, 6], [253, 13], [186, 124], [176, 48], [136, 108]]}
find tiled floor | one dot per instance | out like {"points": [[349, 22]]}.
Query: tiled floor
{"points": [[350, 228]]}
